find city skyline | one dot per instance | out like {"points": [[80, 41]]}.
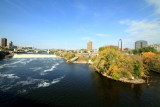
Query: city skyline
{"points": [[71, 24]]}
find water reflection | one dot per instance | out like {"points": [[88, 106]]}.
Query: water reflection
{"points": [[112, 93]]}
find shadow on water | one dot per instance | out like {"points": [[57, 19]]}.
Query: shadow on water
{"points": [[11, 100], [113, 93]]}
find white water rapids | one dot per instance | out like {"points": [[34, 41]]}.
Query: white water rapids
{"points": [[34, 56], [29, 71]]}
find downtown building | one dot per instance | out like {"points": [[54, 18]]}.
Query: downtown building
{"points": [[156, 46], [3, 42], [89, 46], [141, 44], [10, 44]]}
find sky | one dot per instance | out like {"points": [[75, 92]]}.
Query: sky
{"points": [[70, 24]]}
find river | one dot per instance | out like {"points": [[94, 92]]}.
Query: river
{"points": [[46, 80]]}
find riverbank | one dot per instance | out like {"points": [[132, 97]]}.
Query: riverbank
{"points": [[5, 55], [134, 81], [82, 60]]}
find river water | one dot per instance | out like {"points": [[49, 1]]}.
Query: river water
{"points": [[46, 80]]}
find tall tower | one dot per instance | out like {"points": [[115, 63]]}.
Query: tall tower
{"points": [[3, 42], [89, 46], [10, 44]]}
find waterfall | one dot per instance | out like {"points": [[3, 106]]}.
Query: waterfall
{"points": [[34, 56]]}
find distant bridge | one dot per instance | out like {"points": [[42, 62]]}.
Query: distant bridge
{"points": [[32, 50], [74, 59]]}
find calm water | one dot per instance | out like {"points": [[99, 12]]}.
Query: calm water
{"points": [[45, 80]]}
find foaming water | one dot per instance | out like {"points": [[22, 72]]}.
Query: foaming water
{"points": [[52, 68], [8, 76], [34, 56], [13, 63], [17, 75], [46, 84]]}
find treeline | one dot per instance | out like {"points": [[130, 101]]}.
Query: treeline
{"points": [[145, 49], [66, 55], [111, 62], [3, 54]]}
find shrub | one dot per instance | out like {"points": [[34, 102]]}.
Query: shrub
{"points": [[93, 58]]}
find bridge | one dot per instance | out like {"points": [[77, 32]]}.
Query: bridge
{"points": [[74, 59], [32, 50]]}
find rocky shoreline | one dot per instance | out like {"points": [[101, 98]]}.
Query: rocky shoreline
{"points": [[81, 62], [125, 80]]}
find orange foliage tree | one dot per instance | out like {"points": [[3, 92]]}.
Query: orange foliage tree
{"points": [[151, 61], [147, 59]]}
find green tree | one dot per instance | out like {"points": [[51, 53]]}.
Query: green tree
{"points": [[69, 55], [145, 49]]}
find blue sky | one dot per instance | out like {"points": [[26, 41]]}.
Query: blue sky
{"points": [[70, 24]]}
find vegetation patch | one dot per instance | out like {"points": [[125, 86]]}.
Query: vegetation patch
{"points": [[112, 63]]}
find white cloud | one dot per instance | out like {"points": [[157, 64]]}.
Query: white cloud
{"points": [[156, 4], [144, 29], [101, 35], [124, 21]]}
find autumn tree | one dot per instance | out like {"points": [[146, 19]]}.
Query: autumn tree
{"points": [[109, 62], [69, 55], [151, 61]]}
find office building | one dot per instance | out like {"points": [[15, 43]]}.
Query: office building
{"points": [[156, 46], [3, 42], [89, 46], [140, 44], [10, 44]]}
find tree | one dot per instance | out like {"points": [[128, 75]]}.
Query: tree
{"points": [[150, 59], [135, 51], [106, 47], [145, 49], [109, 62], [69, 55]]}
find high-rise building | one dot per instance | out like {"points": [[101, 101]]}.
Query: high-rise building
{"points": [[141, 44], [89, 46], [10, 44], [3, 42]]}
